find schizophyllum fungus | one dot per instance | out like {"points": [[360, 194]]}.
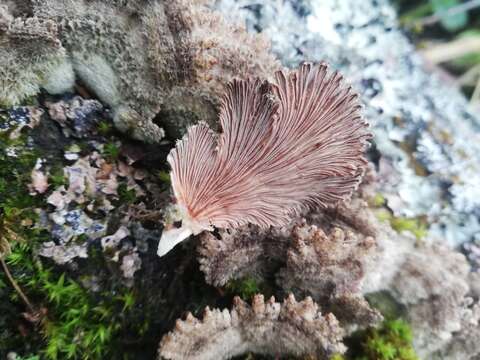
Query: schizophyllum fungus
{"points": [[286, 146]]}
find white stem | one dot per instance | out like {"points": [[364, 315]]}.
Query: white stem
{"points": [[172, 237]]}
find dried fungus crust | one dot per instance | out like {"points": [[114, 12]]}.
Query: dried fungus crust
{"points": [[247, 251], [290, 328], [145, 59], [324, 265], [308, 261], [464, 343], [353, 311], [432, 284], [332, 242], [29, 48]]}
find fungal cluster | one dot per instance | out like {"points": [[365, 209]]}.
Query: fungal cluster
{"points": [[281, 179], [292, 328], [148, 60]]}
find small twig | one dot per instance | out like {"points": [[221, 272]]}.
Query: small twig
{"points": [[4, 230], [142, 214], [17, 288], [452, 50], [476, 93], [454, 10], [470, 76]]}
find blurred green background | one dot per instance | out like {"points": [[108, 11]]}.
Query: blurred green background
{"points": [[447, 32]]}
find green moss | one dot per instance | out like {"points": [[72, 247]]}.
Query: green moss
{"points": [[57, 177], [125, 195], [246, 288], [417, 226], [392, 340], [105, 128], [377, 201], [164, 177], [16, 204], [413, 225], [111, 151], [77, 325], [17, 207]]}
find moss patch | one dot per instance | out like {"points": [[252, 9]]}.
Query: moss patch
{"points": [[391, 341], [67, 321]]}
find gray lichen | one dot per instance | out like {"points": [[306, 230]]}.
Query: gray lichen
{"points": [[464, 343], [432, 285]]}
